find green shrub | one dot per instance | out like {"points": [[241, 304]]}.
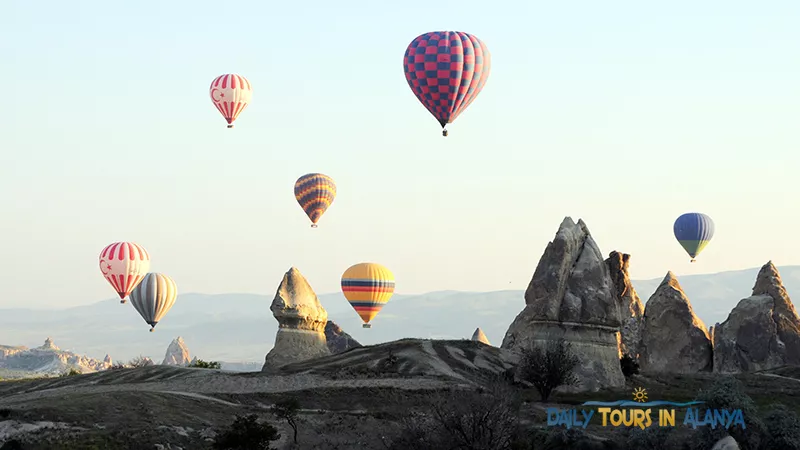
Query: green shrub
{"points": [[71, 372], [783, 428], [200, 364], [728, 393]]}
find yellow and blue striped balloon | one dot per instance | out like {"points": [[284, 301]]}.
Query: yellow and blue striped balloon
{"points": [[315, 193], [693, 231], [367, 287]]}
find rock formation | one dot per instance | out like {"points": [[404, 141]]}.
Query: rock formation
{"points": [[177, 353], [479, 336], [47, 359], [572, 296], [673, 338], [631, 308], [301, 323], [762, 331], [49, 345], [338, 341]]}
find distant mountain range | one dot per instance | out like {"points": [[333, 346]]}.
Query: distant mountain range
{"points": [[240, 327]]}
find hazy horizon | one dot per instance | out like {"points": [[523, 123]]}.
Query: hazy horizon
{"points": [[623, 115]]}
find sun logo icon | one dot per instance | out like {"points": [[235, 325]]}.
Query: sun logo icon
{"points": [[640, 395]]}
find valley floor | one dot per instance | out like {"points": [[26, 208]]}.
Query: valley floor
{"points": [[139, 408]]}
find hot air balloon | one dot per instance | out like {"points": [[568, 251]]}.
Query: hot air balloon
{"points": [[124, 264], [694, 231], [315, 193], [231, 94], [367, 287], [446, 70], [154, 297]]}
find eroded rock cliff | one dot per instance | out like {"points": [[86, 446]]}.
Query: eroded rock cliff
{"points": [[572, 296], [631, 308], [337, 340], [301, 323], [479, 336], [673, 338], [762, 331], [177, 353]]}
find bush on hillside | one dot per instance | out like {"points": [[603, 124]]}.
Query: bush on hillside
{"points": [[246, 433], [728, 393], [200, 364], [783, 428], [462, 419], [140, 361], [71, 372], [628, 365], [549, 368]]}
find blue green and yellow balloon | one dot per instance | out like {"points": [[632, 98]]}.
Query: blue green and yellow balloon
{"points": [[693, 231]]}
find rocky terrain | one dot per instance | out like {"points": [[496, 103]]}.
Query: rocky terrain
{"points": [[48, 359]]}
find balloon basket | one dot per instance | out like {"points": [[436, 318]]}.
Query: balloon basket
{"points": [[313, 225], [122, 302], [444, 133], [366, 325], [230, 126], [152, 330], [692, 260]]}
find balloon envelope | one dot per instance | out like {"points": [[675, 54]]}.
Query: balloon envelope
{"points": [[315, 192], [446, 70], [367, 287], [230, 93], [154, 297], [693, 231], [124, 264]]}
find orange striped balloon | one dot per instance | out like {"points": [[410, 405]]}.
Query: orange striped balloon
{"points": [[315, 192], [367, 287]]}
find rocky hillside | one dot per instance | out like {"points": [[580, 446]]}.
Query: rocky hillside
{"points": [[45, 360]]}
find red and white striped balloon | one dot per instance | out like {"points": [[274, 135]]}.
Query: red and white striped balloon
{"points": [[124, 264], [231, 94]]}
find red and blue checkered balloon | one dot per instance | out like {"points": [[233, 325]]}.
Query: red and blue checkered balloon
{"points": [[447, 70]]}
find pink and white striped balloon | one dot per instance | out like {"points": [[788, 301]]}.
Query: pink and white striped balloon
{"points": [[231, 94]]}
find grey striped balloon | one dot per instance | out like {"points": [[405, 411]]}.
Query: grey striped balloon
{"points": [[154, 297]]}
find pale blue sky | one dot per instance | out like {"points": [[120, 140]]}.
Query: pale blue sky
{"points": [[625, 114]]}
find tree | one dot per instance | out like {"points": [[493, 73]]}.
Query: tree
{"points": [[461, 419], [550, 368], [140, 361], [246, 434], [200, 364], [628, 365], [288, 409]]}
